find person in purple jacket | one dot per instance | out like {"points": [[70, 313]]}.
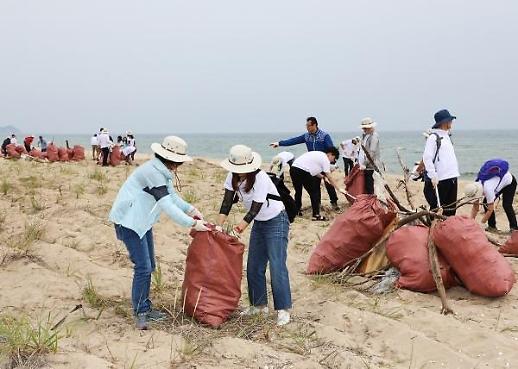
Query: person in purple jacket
{"points": [[315, 140]]}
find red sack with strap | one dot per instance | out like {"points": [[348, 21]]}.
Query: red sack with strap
{"points": [[70, 153], [115, 155], [477, 263], [511, 246], [355, 182], [351, 235], [12, 152], [52, 152], [63, 154], [407, 250], [20, 149], [79, 153], [212, 284], [35, 153]]}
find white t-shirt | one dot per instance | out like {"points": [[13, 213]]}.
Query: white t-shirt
{"points": [[104, 140], [14, 141], [492, 186], [262, 187], [285, 156], [94, 141], [348, 149], [313, 162], [128, 150]]}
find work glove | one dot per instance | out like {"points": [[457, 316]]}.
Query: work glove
{"points": [[199, 226], [362, 167], [195, 213], [274, 144], [435, 182]]}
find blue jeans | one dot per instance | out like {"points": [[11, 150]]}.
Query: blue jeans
{"points": [[269, 243], [142, 255]]}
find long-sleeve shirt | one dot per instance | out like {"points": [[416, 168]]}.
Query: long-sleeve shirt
{"points": [[318, 141], [104, 140], [145, 195], [371, 142], [445, 165]]}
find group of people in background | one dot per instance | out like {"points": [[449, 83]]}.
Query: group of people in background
{"points": [[28, 143], [102, 145]]}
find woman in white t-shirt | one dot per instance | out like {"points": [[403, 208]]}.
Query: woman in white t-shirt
{"points": [[490, 190], [246, 182]]}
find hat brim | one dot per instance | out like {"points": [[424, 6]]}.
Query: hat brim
{"points": [[370, 125], [245, 168], [168, 155]]}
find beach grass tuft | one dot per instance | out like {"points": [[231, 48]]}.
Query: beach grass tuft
{"points": [[92, 297], [5, 186]]}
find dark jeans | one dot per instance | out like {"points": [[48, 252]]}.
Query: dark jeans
{"points": [[269, 244], [348, 165], [302, 179], [447, 195], [106, 152], [507, 194], [331, 192], [369, 181], [142, 255]]}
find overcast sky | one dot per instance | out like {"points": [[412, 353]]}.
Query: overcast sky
{"points": [[239, 66]]}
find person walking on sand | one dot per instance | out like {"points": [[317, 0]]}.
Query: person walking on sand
{"points": [[494, 181], [371, 142], [315, 140], [349, 153], [105, 144], [42, 144], [94, 142], [269, 234], [307, 172], [441, 166], [142, 198]]}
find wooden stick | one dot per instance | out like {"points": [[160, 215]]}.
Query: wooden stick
{"points": [[493, 240], [436, 270], [406, 177]]}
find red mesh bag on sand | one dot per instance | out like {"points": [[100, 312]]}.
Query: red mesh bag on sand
{"points": [[115, 156], [477, 263], [70, 153], [355, 182], [407, 250], [35, 153], [212, 285], [12, 152], [63, 154], [52, 152], [511, 246], [21, 149], [351, 235], [79, 153]]}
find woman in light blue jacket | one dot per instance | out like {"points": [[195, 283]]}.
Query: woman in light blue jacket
{"points": [[147, 193]]}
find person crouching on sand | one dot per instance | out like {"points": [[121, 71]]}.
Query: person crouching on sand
{"points": [[503, 184], [269, 235], [142, 198]]}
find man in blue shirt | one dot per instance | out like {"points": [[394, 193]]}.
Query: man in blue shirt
{"points": [[315, 140]]}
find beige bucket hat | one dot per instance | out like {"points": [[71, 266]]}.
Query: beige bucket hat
{"points": [[474, 190], [367, 123], [242, 159], [173, 148]]}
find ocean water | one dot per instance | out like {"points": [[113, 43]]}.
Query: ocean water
{"points": [[471, 147]]}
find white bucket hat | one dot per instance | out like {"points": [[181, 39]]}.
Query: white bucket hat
{"points": [[367, 123], [242, 160], [474, 189], [173, 148]]}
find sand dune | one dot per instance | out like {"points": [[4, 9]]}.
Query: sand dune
{"points": [[57, 250]]}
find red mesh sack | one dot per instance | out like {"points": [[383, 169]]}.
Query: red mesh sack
{"points": [[476, 262], [79, 153], [351, 235], [407, 250], [70, 153], [63, 154], [115, 155], [12, 152], [52, 152], [511, 246], [35, 153], [20, 149], [212, 285], [355, 182]]}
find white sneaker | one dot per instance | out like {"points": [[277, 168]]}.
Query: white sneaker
{"points": [[283, 317], [254, 310]]}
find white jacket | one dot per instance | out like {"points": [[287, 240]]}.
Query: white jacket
{"points": [[445, 165]]}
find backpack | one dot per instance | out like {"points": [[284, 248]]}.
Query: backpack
{"points": [[284, 196], [492, 168]]}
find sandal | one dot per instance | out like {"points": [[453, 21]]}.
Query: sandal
{"points": [[320, 218]]}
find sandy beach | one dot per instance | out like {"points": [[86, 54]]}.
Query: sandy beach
{"points": [[58, 250]]}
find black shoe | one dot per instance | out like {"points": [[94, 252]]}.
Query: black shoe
{"points": [[335, 206]]}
